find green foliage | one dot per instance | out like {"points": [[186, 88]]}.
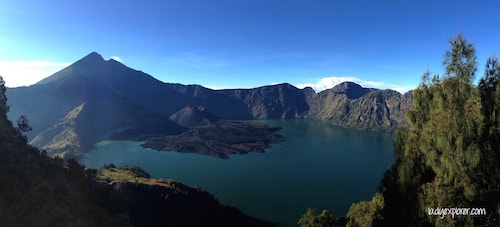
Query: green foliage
{"points": [[3, 98], [445, 122], [366, 213], [448, 138], [487, 87], [449, 154], [460, 61], [23, 124], [488, 173], [310, 219]]}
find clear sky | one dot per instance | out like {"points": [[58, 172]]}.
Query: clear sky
{"points": [[246, 43]]}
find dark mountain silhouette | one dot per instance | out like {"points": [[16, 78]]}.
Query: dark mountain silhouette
{"points": [[94, 99]]}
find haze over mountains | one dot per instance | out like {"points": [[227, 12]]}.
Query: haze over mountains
{"points": [[95, 99]]}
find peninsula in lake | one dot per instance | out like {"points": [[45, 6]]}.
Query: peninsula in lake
{"points": [[208, 134], [95, 99]]}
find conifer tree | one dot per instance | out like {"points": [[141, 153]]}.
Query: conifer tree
{"points": [[437, 156], [3, 98], [366, 213], [310, 219], [488, 173]]}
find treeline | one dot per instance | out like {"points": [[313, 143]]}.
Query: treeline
{"points": [[449, 156]]}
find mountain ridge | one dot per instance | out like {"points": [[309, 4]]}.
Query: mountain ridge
{"points": [[119, 97]]}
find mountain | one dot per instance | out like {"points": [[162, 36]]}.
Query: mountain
{"points": [[95, 99], [351, 105], [90, 100], [271, 102]]}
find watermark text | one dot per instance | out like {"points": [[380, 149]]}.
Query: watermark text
{"points": [[455, 211]]}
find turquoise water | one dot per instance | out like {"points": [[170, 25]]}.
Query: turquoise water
{"points": [[318, 165]]}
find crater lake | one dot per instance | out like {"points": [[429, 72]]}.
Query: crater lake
{"points": [[317, 165]]}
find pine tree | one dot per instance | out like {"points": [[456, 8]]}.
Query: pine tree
{"points": [[3, 98], [310, 219], [438, 155], [366, 213], [448, 140], [488, 173]]}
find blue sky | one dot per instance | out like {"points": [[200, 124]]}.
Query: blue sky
{"points": [[246, 43]]}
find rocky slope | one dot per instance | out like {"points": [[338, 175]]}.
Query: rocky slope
{"points": [[350, 105], [162, 202]]}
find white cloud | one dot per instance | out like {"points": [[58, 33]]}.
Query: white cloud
{"points": [[25, 73], [116, 58], [329, 82]]}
